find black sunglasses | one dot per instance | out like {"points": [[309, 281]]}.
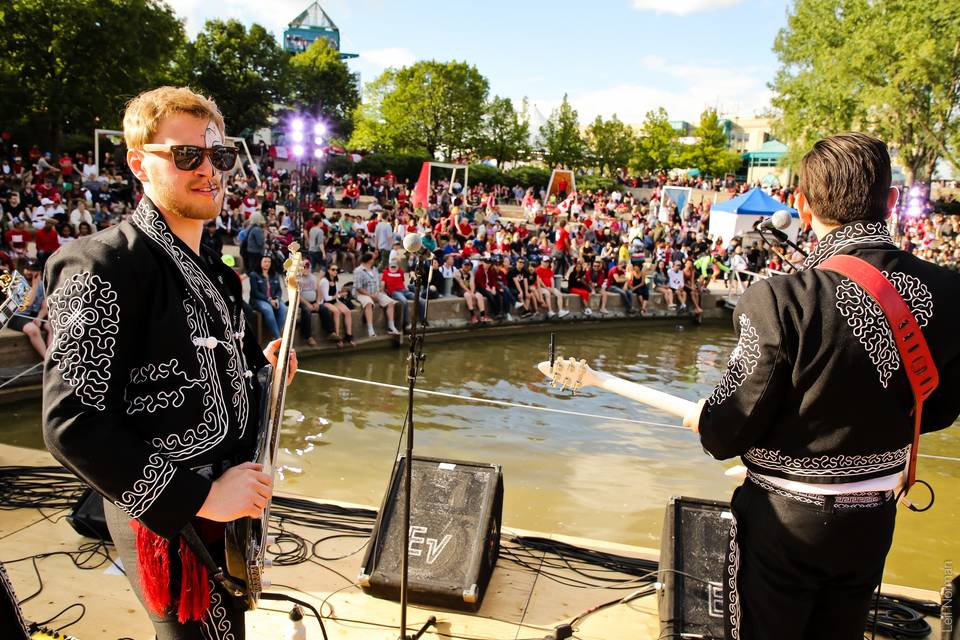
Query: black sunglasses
{"points": [[187, 157]]}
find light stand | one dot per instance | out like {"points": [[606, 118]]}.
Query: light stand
{"points": [[414, 369]]}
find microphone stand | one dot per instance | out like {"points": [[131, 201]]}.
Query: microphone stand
{"points": [[781, 237], [414, 369]]}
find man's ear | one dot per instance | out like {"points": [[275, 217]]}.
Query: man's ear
{"points": [[803, 208], [135, 162], [893, 196]]}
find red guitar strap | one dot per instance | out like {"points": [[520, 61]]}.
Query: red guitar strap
{"points": [[914, 352]]}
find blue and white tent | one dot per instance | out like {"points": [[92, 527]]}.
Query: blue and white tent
{"points": [[736, 217]]}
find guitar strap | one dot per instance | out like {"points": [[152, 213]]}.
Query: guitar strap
{"points": [[914, 352]]}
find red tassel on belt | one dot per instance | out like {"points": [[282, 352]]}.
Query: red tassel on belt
{"points": [[153, 558]]}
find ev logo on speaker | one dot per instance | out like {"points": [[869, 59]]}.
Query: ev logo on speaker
{"points": [[434, 547]]}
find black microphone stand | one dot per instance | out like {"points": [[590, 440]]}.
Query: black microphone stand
{"points": [[414, 369], [781, 237]]}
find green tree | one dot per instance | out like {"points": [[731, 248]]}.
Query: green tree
{"points": [[561, 137], [368, 128], [504, 133], [887, 68], [610, 143], [243, 70], [322, 84], [657, 145], [70, 66], [709, 153], [429, 106]]}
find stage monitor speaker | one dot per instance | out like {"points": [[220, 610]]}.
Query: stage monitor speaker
{"points": [[455, 514], [696, 539], [87, 517]]}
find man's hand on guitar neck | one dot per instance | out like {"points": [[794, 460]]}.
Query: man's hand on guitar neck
{"points": [[242, 491], [692, 419], [270, 353]]}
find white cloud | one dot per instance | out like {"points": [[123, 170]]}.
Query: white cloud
{"points": [[682, 7], [684, 90]]}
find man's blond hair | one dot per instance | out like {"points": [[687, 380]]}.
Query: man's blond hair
{"points": [[144, 113]]}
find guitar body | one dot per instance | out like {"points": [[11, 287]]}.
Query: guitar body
{"points": [[246, 539]]}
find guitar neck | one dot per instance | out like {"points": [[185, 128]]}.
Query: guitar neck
{"points": [[646, 395]]}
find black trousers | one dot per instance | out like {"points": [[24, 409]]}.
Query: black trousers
{"points": [[223, 621], [800, 572]]}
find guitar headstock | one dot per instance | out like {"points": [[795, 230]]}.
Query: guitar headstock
{"points": [[568, 373], [293, 266]]}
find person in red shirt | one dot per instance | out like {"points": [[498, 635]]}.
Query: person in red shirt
{"points": [[351, 195], [17, 239], [395, 286], [47, 239], [547, 289], [486, 282], [561, 247]]}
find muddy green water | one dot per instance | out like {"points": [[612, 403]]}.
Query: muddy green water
{"points": [[596, 478]]}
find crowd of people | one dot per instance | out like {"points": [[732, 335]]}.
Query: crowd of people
{"points": [[599, 245]]}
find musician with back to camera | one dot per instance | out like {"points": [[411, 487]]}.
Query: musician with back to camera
{"points": [[150, 387], [816, 402]]}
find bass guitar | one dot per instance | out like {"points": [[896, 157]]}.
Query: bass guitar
{"points": [[575, 374], [246, 539]]}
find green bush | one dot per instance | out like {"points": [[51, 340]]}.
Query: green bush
{"points": [[593, 183], [340, 164], [486, 174], [404, 167], [528, 176]]}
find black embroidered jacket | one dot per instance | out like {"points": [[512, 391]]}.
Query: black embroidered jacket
{"points": [[150, 373], [814, 390]]}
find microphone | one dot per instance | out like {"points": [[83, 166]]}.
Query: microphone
{"points": [[777, 222], [413, 243]]}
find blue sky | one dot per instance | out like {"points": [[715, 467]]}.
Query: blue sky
{"points": [[609, 56]]}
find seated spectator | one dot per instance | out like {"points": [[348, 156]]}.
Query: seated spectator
{"points": [[578, 284], [661, 283], [447, 273], [395, 286], [676, 283], [534, 298], [310, 303], [617, 284], [367, 289], [640, 287], [334, 300], [32, 320], [546, 285], [690, 286], [265, 295], [465, 286]]}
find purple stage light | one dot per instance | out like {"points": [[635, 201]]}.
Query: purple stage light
{"points": [[318, 153], [298, 150], [297, 136], [298, 124], [317, 140], [319, 128]]}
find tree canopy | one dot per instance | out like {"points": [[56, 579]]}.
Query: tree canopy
{"points": [[561, 137], [657, 145], [611, 143], [504, 133], [887, 68], [322, 84], [242, 69], [709, 153], [71, 66]]}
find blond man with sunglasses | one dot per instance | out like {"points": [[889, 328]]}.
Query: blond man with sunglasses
{"points": [[150, 383]]}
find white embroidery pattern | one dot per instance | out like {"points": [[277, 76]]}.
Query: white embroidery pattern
{"points": [[216, 407], [915, 294], [733, 568], [84, 315], [157, 373], [743, 361], [869, 324], [874, 232], [827, 466], [215, 625], [213, 427], [156, 476]]}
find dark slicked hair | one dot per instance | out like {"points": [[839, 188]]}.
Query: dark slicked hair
{"points": [[846, 177]]}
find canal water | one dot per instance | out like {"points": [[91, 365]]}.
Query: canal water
{"points": [[607, 478]]}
